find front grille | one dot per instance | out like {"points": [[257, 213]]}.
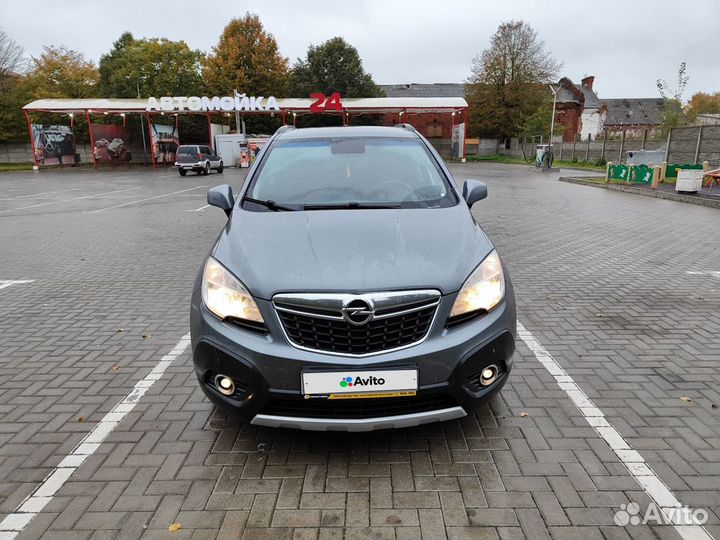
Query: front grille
{"points": [[339, 336], [357, 408]]}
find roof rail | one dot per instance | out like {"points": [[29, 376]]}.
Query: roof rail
{"points": [[409, 127], [283, 129]]}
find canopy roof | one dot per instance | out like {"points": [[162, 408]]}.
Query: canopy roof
{"points": [[297, 105]]}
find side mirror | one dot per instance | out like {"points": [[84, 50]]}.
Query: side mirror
{"points": [[474, 191], [222, 197]]}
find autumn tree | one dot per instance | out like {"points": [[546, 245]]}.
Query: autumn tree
{"points": [[246, 59], [150, 67], [334, 66], [509, 81], [702, 103], [60, 72]]}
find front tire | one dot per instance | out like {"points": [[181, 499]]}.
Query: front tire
{"points": [[220, 168], [182, 172], [206, 170]]}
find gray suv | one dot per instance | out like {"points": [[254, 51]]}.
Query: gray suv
{"points": [[351, 289], [198, 159]]}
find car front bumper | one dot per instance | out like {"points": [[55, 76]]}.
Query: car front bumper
{"points": [[267, 371]]}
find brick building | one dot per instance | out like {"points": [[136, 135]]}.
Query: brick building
{"points": [[581, 112]]}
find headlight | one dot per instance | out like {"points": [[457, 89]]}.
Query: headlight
{"points": [[225, 296], [483, 290]]}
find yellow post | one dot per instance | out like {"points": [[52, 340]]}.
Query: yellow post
{"points": [[656, 177], [663, 171], [706, 168]]}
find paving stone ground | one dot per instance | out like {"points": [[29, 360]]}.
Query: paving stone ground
{"points": [[602, 280]]}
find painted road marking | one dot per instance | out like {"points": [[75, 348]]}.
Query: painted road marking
{"points": [[34, 195], [200, 209], [711, 273], [68, 200], [8, 282], [144, 200], [14, 523], [633, 461]]}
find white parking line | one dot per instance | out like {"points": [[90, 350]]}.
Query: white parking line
{"points": [[14, 523], [144, 200], [7, 282], [33, 195], [68, 200], [633, 461], [710, 273], [199, 209]]}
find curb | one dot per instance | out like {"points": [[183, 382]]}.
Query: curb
{"points": [[700, 201]]}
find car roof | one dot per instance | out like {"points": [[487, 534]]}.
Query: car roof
{"points": [[346, 131]]}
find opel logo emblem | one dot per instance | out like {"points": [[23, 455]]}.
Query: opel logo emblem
{"points": [[357, 312]]}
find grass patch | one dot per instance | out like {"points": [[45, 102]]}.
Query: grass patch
{"points": [[501, 158], [15, 167]]}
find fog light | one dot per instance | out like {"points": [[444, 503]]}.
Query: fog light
{"points": [[225, 385], [488, 375]]}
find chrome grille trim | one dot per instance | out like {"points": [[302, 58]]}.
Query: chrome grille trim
{"points": [[328, 306]]}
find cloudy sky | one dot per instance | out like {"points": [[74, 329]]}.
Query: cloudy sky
{"points": [[626, 44]]}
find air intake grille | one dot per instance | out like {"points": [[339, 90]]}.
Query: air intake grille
{"points": [[339, 336], [357, 408]]}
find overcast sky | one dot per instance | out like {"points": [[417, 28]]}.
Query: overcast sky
{"points": [[626, 44]]}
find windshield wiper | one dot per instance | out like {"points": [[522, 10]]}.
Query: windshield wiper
{"points": [[272, 205], [351, 206]]}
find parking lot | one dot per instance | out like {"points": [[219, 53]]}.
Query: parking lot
{"points": [[613, 399]]}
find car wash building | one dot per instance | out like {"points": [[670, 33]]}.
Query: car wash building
{"points": [[150, 130]]}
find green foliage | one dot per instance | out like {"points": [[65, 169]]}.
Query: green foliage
{"points": [[538, 123], [334, 66], [155, 67], [12, 99], [509, 81]]}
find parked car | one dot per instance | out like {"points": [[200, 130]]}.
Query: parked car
{"points": [[351, 288], [197, 158]]}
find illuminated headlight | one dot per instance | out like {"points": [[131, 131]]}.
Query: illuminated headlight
{"points": [[483, 290], [225, 296]]}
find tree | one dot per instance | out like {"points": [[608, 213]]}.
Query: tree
{"points": [[673, 114], [702, 103], [60, 72], [509, 81], [12, 58], [152, 67], [334, 66], [12, 64], [246, 59]]}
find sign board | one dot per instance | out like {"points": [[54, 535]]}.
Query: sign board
{"points": [[110, 143], [54, 145], [239, 103]]}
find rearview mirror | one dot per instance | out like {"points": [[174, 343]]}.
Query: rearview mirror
{"points": [[474, 191], [222, 197]]}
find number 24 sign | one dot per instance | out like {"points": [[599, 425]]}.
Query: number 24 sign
{"points": [[322, 103]]}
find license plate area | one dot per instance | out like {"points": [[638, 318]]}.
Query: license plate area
{"points": [[348, 384]]}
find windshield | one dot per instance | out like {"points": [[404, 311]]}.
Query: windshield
{"points": [[350, 172]]}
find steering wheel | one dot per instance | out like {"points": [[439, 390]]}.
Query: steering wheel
{"points": [[394, 185]]}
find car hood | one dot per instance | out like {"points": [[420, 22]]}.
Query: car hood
{"points": [[352, 250]]}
